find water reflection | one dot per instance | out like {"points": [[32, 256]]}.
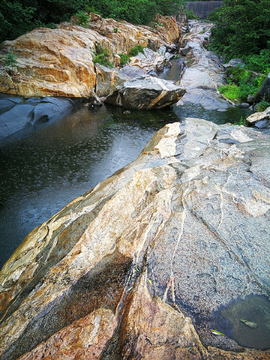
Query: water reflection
{"points": [[248, 321], [41, 172]]}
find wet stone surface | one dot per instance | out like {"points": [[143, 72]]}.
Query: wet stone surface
{"points": [[175, 244]]}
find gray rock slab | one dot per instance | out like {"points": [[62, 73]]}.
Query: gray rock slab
{"points": [[107, 79], [260, 119], [51, 109], [15, 119], [204, 72], [145, 93]]}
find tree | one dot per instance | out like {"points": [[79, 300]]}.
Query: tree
{"points": [[242, 28]]}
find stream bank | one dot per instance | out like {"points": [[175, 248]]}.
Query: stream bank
{"points": [[151, 259]]}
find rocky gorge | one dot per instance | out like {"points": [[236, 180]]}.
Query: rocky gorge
{"points": [[166, 259]]}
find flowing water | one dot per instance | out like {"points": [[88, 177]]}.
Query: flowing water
{"points": [[41, 171]]}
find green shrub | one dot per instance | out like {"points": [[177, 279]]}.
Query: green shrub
{"points": [[242, 28], [190, 14], [124, 58], [10, 59], [230, 91], [102, 59], [102, 56], [115, 30], [82, 18], [259, 62], [245, 82], [263, 105], [136, 49]]}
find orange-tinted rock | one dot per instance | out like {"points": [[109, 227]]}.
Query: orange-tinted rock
{"points": [[58, 62], [115, 273]]}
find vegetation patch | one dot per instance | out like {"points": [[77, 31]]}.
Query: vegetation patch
{"points": [[263, 105], [82, 18], [18, 17], [102, 56], [124, 58], [136, 49], [241, 83], [10, 59], [230, 91]]}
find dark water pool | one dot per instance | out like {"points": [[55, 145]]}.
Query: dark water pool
{"points": [[42, 171]]}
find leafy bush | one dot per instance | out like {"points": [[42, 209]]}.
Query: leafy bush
{"points": [[263, 105], [230, 91], [136, 49], [124, 58], [10, 59], [82, 18], [19, 16], [190, 14], [259, 62], [102, 56], [241, 83], [242, 28], [102, 59]]}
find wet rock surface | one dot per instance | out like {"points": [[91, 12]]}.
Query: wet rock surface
{"points": [[140, 265], [145, 92], [17, 113], [204, 72]]}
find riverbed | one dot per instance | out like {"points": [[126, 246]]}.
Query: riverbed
{"points": [[43, 171]]}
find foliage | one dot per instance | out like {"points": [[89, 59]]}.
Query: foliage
{"points": [[102, 56], [230, 91], [259, 62], [10, 59], [82, 18], [242, 28], [190, 14], [241, 83], [19, 16], [115, 30], [135, 50], [102, 59], [124, 58], [263, 105], [242, 121]]}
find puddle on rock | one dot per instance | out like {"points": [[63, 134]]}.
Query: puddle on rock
{"points": [[255, 331]]}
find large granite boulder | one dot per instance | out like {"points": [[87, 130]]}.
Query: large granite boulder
{"points": [[145, 92], [148, 261], [107, 79], [59, 62]]}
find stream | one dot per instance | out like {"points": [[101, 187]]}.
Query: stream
{"points": [[42, 171]]}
